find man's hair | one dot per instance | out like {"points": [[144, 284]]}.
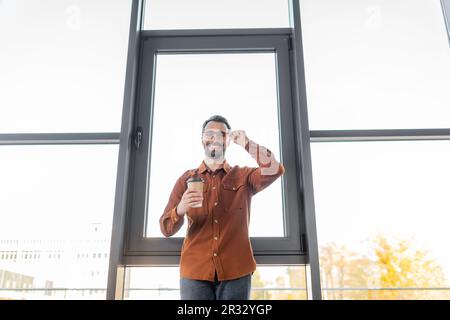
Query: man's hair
{"points": [[216, 118]]}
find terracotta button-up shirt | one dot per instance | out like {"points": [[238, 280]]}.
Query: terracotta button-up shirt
{"points": [[217, 239]]}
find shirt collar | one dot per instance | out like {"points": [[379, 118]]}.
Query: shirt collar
{"points": [[225, 166]]}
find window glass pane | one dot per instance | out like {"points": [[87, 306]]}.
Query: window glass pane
{"points": [[223, 14], [56, 208], [268, 283], [376, 64], [382, 219], [62, 65], [240, 87]]}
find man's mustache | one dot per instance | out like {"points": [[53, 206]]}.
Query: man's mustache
{"points": [[214, 144]]}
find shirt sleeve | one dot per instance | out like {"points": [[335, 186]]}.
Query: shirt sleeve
{"points": [[170, 222], [268, 170]]}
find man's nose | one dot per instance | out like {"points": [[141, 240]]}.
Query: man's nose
{"points": [[218, 138]]}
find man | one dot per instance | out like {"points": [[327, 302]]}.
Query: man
{"points": [[216, 258]]}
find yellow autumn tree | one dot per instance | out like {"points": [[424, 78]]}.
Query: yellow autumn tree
{"points": [[389, 263], [292, 284], [297, 279], [343, 270], [286, 286], [399, 264], [258, 283]]}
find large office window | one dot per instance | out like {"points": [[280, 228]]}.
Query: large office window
{"points": [[242, 60], [382, 216], [56, 212], [62, 77], [245, 78], [380, 204], [240, 86], [63, 80]]}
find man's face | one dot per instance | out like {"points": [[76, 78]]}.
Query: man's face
{"points": [[215, 140]]}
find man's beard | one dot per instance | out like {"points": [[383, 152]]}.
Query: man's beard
{"points": [[217, 153]]}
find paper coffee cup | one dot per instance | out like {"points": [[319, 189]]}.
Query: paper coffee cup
{"points": [[195, 183]]}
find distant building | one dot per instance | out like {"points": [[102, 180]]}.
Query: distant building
{"points": [[46, 269]]}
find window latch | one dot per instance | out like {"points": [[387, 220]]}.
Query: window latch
{"points": [[303, 243], [290, 44], [138, 138]]}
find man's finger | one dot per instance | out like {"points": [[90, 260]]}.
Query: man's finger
{"points": [[192, 191], [199, 196], [194, 202], [195, 194]]}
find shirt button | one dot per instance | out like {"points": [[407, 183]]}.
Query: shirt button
{"points": [[215, 238], [215, 221], [234, 188], [215, 203], [215, 254], [214, 188]]}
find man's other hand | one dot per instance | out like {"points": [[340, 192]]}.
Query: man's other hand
{"points": [[190, 198], [239, 137]]}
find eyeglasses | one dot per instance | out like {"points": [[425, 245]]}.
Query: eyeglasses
{"points": [[209, 134]]}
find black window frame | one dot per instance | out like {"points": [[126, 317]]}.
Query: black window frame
{"points": [[120, 254], [268, 250]]}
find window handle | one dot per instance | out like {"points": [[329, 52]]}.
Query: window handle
{"points": [[138, 138]]}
